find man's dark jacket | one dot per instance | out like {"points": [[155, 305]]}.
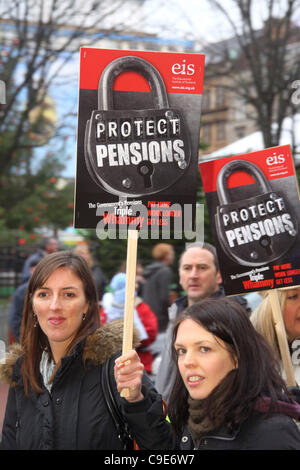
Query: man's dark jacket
{"points": [[156, 291]]}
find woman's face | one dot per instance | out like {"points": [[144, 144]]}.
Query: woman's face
{"points": [[203, 361], [59, 305], [291, 313]]}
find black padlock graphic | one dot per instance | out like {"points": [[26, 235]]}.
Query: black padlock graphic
{"points": [[135, 152], [254, 230]]}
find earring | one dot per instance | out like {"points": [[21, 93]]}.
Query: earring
{"points": [[35, 321], [83, 316]]}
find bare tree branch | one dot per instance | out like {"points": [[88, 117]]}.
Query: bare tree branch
{"points": [[40, 38], [268, 61]]}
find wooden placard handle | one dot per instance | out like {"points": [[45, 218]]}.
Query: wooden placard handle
{"points": [[132, 241], [281, 337]]}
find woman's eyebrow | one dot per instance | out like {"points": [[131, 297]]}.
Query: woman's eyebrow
{"points": [[197, 342], [63, 288]]}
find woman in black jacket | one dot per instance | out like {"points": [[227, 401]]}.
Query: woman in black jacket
{"points": [[55, 398], [228, 393]]}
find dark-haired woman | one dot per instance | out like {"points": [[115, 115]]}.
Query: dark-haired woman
{"points": [[55, 399], [228, 392]]}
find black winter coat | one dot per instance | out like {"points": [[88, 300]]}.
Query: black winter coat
{"points": [[261, 431], [74, 416]]}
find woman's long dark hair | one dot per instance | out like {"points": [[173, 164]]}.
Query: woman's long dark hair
{"points": [[32, 339], [257, 373]]}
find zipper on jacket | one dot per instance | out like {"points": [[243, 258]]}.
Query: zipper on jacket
{"points": [[18, 433], [220, 438]]}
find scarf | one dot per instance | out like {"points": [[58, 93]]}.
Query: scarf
{"points": [[47, 366], [263, 405], [199, 422]]}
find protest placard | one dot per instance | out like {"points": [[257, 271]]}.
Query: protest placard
{"points": [[253, 204], [137, 147], [138, 137]]}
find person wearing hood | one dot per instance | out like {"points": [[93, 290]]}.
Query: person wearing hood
{"points": [[56, 398], [144, 319], [228, 392]]}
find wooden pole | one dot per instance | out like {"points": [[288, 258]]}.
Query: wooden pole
{"points": [[282, 338], [129, 295]]}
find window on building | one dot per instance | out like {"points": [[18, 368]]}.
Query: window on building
{"points": [[240, 106], [221, 131], [240, 132], [206, 133], [206, 100], [220, 97]]}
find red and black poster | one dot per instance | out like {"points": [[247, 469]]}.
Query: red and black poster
{"points": [[253, 204], [138, 137]]}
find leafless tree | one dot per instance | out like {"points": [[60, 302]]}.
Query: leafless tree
{"points": [[266, 62], [38, 39]]}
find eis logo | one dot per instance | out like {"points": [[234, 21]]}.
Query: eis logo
{"points": [[275, 159], [183, 68]]}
